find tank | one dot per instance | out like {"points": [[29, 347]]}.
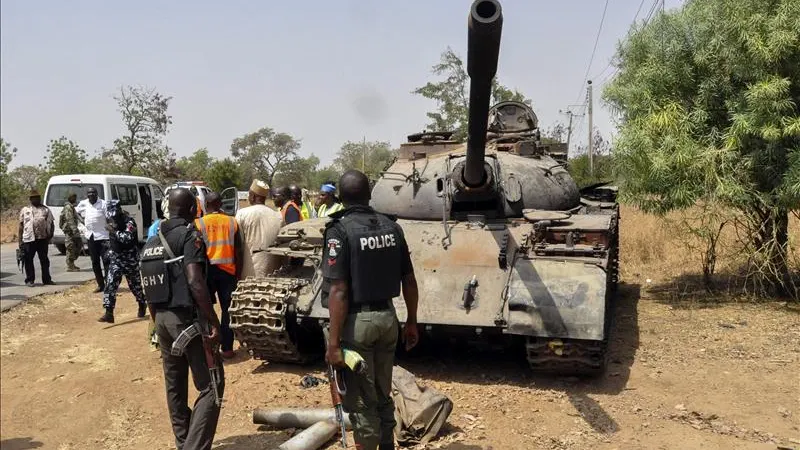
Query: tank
{"points": [[506, 248]]}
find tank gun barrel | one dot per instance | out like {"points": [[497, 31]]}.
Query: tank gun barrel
{"points": [[485, 24]]}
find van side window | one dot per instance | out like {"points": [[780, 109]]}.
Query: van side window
{"points": [[158, 194], [127, 194]]}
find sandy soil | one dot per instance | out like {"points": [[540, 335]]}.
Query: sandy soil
{"points": [[683, 376]]}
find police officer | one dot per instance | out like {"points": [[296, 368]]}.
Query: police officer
{"points": [[123, 259], [366, 260], [178, 297]]}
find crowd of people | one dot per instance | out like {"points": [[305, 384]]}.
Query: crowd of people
{"points": [[192, 260]]}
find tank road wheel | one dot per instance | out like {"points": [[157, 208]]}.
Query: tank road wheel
{"points": [[264, 321]]}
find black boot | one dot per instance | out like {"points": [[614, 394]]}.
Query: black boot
{"points": [[108, 316], [386, 446], [142, 310]]}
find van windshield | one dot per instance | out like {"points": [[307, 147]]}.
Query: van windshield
{"points": [[57, 193]]}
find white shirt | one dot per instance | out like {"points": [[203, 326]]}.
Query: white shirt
{"points": [[94, 218], [260, 225]]}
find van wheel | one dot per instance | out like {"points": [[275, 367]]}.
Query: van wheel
{"points": [[62, 249]]}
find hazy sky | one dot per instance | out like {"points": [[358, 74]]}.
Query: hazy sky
{"points": [[323, 71]]}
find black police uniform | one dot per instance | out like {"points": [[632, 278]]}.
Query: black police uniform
{"points": [[369, 251], [167, 291]]}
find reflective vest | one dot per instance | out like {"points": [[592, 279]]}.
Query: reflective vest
{"points": [[325, 211], [286, 207], [307, 211], [218, 231]]}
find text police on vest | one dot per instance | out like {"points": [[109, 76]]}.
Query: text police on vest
{"points": [[153, 251], [373, 242]]}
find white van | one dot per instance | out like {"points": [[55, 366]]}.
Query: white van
{"points": [[139, 196]]}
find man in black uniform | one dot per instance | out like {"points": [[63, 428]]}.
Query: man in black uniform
{"points": [[175, 305], [366, 260]]}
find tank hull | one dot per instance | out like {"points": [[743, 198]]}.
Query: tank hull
{"points": [[551, 286]]}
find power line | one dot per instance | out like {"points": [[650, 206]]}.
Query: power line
{"points": [[594, 50], [636, 16]]}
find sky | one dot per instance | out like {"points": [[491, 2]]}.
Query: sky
{"points": [[323, 71]]}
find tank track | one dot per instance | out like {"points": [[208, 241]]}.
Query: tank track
{"points": [[264, 321]]}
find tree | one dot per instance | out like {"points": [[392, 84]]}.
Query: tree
{"points": [[9, 188], [65, 157], [144, 113], [452, 95], [374, 155], [264, 153], [30, 177], [223, 174], [707, 99], [161, 165], [298, 171], [195, 166]]}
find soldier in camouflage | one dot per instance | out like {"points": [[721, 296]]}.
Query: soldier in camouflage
{"points": [[68, 222], [123, 259]]}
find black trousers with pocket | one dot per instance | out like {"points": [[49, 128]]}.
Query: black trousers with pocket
{"points": [[40, 247]]}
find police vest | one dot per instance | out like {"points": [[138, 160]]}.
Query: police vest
{"points": [[163, 276], [375, 256], [218, 231]]}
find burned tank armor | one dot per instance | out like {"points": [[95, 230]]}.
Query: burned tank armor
{"points": [[504, 245]]}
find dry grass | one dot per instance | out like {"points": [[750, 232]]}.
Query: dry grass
{"points": [[9, 226], [654, 249]]}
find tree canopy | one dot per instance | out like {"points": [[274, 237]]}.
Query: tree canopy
{"points": [[264, 152], [707, 101], [65, 157], [144, 113], [452, 95], [375, 156]]}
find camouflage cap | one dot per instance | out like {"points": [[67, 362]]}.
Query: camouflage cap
{"points": [[112, 208]]}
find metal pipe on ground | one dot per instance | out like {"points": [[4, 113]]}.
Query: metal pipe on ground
{"points": [[312, 437], [296, 417]]}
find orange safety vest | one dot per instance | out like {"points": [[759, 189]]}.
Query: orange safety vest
{"points": [[218, 231], [291, 204]]}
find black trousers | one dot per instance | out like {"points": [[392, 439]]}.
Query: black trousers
{"points": [[98, 250], [39, 246], [222, 284], [194, 429]]}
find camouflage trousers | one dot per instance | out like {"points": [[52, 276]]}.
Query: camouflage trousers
{"points": [[119, 264], [74, 246]]}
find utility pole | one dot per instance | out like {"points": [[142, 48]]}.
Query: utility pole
{"points": [[589, 112], [569, 126], [363, 154]]}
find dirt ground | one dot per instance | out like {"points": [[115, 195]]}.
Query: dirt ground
{"points": [[681, 377], [685, 373]]}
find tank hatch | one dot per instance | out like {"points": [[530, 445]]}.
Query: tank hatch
{"points": [[512, 117]]}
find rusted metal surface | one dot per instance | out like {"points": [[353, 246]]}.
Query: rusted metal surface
{"points": [[481, 262]]}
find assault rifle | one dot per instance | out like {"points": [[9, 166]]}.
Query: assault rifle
{"points": [[212, 358], [337, 390], [201, 328]]}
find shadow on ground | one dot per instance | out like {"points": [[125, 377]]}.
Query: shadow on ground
{"points": [[689, 291], [268, 439], [458, 362], [19, 444]]}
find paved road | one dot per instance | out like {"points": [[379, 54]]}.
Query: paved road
{"points": [[12, 282]]}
